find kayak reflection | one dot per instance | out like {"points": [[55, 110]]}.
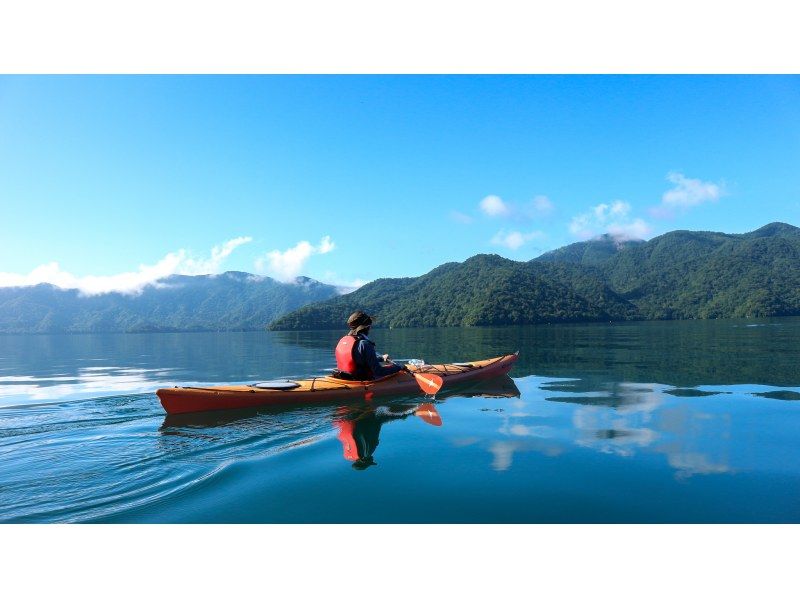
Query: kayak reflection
{"points": [[360, 427], [357, 425]]}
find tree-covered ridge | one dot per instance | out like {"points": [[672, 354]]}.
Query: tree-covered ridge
{"points": [[484, 290], [679, 275], [589, 253], [229, 301]]}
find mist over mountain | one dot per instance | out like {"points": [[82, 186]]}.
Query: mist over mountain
{"points": [[229, 301], [678, 275]]}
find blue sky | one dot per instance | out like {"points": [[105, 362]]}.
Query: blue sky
{"points": [[120, 179]]}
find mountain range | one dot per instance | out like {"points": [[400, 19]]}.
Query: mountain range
{"points": [[229, 301], [678, 275]]}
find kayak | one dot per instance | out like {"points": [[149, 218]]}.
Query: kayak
{"points": [[493, 388], [324, 389]]}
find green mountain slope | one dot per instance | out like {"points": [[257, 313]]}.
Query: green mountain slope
{"points": [[684, 274], [589, 253], [484, 290], [679, 275]]}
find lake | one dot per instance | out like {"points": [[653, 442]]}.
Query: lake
{"points": [[692, 421]]}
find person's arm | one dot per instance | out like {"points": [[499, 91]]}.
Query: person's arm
{"points": [[367, 351]]}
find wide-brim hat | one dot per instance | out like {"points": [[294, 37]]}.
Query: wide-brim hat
{"points": [[359, 321]]}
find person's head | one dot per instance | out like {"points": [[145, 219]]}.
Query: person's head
{"points": [[359, 322]]}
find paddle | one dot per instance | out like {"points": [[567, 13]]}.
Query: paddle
{"points": [[430, 384]]}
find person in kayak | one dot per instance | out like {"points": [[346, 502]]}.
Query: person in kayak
{"points": [[356, 358]]}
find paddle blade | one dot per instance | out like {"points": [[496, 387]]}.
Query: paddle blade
{"points": [[428, 414], [429, 383]]}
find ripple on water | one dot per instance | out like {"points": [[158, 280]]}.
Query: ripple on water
{"points": [[90, 459]]}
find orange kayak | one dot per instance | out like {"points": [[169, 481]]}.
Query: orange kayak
{"points": [[324, 389]]}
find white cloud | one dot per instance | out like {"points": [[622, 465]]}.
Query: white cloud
{"points": [[493, 206], [638, 229], [542, 205], [177, 262], [688, 193], [326, 245], [515, 239], [286, 265], [685, 194], [218, 255], [610, 218], [618, 209], [349, 286], [460, 217]]}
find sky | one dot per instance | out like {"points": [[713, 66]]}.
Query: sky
{"points": [[111, 182]]}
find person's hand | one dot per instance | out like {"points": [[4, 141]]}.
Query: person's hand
{"points": [[385, 357]]}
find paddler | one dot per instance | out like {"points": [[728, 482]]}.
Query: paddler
{"points": [[356, 357]]}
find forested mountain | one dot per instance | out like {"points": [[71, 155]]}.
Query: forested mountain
{"points": [[685, 274], [229, 301], [589, 253], [678, 275]]}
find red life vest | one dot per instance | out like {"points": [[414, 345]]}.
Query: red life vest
{"points": [[344, 354]]}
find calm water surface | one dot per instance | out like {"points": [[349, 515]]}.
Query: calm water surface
{"points": [[640, 422]]}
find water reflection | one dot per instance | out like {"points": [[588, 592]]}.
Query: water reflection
{"points": [[82, 382], [359, 428], [357, 425], [642, 422], [678, 353], [620, 419], [568, 447], [38, 368], [685, 355]]}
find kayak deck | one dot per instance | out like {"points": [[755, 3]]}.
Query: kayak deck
{"points": [[325, 388]]}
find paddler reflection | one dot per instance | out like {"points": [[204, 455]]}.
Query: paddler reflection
{"points": [[359, 429]]}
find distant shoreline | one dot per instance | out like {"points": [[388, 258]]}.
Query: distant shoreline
{"points": [[379, 328]]}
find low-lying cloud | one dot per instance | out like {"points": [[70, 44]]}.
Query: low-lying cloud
{"points": [[515, 239], [613, 219], [178, 262], [342, 285], [219, 254], [287, 265]]}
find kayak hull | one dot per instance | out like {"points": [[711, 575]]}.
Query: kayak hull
{"points": [[326, 389]]}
